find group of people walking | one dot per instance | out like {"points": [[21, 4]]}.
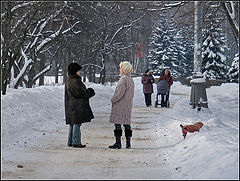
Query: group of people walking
{"points": [[78, 110], [148, 80]]}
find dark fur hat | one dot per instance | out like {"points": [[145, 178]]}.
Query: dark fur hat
{"points": [[73, 68]]}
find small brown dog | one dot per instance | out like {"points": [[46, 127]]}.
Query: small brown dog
{"points": [[191, 128]]}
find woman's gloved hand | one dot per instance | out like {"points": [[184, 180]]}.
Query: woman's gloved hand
{"points": [[91, 92]]}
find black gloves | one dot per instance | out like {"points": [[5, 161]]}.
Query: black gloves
{"points": [[91, 92]]}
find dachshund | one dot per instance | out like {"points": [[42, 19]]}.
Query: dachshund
{"points": [[191, 128]]}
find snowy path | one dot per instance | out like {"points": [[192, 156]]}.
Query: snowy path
{"points": [[34, 135], [51, 159]]}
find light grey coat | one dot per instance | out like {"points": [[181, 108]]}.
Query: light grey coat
{"points": [[122, 100]]}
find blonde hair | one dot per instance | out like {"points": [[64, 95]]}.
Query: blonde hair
{"points": [[126, 67]]}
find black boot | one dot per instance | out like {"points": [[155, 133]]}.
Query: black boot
{"points": [[128, 135], [79, 146], [117, 134]]}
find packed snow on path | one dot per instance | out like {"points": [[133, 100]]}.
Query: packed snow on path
{"points": [[34, 135]]}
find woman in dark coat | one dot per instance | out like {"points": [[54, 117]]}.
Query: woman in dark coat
{"points": [[166, 75], [77, 108], [147, 81]]}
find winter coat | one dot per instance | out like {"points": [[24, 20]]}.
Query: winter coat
{"points": [[167, 78], [147, 81], [77, 108], [191, 128], [122, 100]]}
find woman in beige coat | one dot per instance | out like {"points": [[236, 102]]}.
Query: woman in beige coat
{"points": [[122, 105]]}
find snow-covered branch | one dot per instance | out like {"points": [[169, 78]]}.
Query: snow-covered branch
{"points": [[20, 21], [168, 6], [48, 39], [42, 72], [231, 15], [20, 6], [27, 62], [90, 64], [71, 28], [125, 26]]}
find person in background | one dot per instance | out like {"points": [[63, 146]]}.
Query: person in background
{"points": [[166, 75], [147, 81], [77, 108], [122, 101]]}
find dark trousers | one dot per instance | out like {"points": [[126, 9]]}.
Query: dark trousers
{"points": [[164, 99], [119, 127], [148, 99]]}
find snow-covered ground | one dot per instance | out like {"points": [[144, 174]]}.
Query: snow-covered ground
{"points": [[34, 134]]}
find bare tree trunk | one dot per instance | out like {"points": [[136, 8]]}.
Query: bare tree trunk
{"points": [[42, 63], [30, 77], [65, 65], [104, 75], [94, 72], [7, 61], [90, 77], [84, 75], [57, 65], [103, 70], [56, 74]]}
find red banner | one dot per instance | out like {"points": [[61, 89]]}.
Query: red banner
{"points": [[139, 44]]}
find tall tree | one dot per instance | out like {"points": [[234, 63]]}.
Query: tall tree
{"points": [[214, 59], [161, 52], [233, 73]]}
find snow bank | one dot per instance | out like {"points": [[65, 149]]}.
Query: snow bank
{"points": [[211, 153]]}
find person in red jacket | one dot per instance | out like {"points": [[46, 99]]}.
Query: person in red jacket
{"points": [[166, 75]]}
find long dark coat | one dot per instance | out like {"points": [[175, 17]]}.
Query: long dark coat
{"points": [[77, 108], [147, 85]]}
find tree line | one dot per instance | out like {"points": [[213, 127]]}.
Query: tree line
{"points": [[38, 37]]}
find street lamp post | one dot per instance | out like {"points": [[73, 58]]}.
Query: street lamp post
{"points": [[198, 96]]}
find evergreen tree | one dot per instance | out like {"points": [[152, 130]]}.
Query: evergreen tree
{"points": [[171, 49], [233, 72], [162, 53], [188, 42], [184, 46], [213, 49]]}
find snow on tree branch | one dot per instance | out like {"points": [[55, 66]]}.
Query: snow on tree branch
{"points": [[19, 22], [232, 18], [90, 64], [42, 72], [27, 62], [20, 6], [71, 28], [168, 6], [46, 40], [125, 26]]}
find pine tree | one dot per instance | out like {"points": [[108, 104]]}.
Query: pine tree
{"points": [[214, 60], [188, 43], [162, 53], [233, 72], [184, 47], [171, 49]]}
